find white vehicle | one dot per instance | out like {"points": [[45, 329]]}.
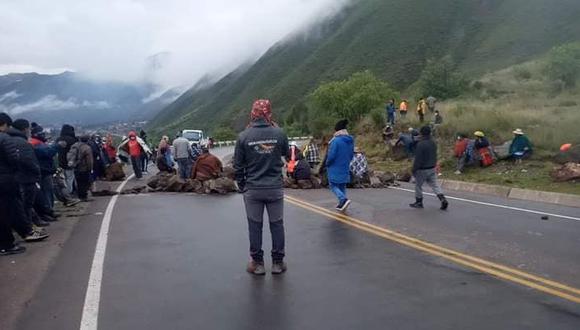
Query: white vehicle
{"points": [[194, 136]]}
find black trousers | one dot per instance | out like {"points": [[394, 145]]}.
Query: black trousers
{"points": [[136, 163], [83, 183]]}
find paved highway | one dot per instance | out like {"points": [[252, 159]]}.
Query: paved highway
{"points": [[177, 261]]}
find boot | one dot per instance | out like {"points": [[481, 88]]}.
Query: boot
{"points": [[418, 203], [444, 202]]}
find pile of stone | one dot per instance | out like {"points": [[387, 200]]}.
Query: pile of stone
{"points": [[167, 182], [114, 172], [376, 179], [567, 172]]}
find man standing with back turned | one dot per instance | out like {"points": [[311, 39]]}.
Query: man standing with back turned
{"points": [[258, 165], [424, 169]]}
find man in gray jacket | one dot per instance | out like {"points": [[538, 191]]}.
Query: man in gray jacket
{"points": [[182, 154], [258, 167], [424, 169]]}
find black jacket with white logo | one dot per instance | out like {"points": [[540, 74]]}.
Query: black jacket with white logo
{"points": [[258, 156]]}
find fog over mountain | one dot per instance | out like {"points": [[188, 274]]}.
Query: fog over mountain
{"points": [[170, 43]]}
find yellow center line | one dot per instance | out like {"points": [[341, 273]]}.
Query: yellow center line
{"points": [[501, 271]]}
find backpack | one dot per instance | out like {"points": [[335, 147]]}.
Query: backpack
{"points": [[486, 157]]}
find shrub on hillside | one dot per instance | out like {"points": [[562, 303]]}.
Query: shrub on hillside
{"points": [[563, 64], [521, 73], [351, 99], [442, 80]]}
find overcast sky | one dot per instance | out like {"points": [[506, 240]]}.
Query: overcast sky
{"points": [[112, 39]]}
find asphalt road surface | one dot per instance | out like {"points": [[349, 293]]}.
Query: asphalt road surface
{"points": [[177, 261]]}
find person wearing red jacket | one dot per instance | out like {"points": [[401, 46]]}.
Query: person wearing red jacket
{"points": [[135, 151], [110, 150]]}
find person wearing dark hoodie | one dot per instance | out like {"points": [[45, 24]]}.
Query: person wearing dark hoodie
{"points": [[9, 162], [27, 175], [424, 169], [45, 154], [338, 158], [65, 141], [258, 170], [80, 158]]}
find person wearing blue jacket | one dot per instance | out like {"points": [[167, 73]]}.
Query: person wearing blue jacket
{"points": [[391, 110], [45, 154], [338, 158]]}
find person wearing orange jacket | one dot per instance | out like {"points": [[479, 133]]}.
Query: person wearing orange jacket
{"points": [[403, 108]]}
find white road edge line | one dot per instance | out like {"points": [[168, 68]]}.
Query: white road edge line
{"points": [[89, 320], [498, 205]]}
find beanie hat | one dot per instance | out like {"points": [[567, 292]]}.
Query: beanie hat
{"points": [[342, 124], [5, 119], [36, 130], [21, 124], [425, 131]]}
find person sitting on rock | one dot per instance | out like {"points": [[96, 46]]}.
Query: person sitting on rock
{"points": [[359, 167], [207, 166], [521, 146]]}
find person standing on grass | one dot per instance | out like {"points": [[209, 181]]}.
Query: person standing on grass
{"points": [[258, 169], [421, 109], [424, 169], [338, 158], [391, 110], [403, 108]]}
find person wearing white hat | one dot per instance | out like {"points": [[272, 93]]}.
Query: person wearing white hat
{"points": [[521, 146]]}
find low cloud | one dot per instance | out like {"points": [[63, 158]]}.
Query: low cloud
{"points": [[171, 42], [53, 103]]}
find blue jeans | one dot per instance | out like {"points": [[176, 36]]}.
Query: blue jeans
{"points": [[391, 118], [339, 189], [184, 168]]}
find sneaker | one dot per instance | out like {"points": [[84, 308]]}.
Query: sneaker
{"points": [[16, 249], [36, 236], [457, 172], [279, 268], [344, 205], [256, 268]]}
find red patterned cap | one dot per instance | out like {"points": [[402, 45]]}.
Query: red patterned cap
{"points": [[262, 109]]}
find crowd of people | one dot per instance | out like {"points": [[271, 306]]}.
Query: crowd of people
{"points": [[38, 169]]}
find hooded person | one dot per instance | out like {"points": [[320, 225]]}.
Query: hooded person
{"points": [[258, 170], [133, 148], [80, 158], [28, 174], [338, 158], [424, 170], [110, 150], [65, 141], [45, 154]]}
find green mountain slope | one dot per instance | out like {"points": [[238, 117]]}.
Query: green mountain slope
{"points": [[393, 39]]}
